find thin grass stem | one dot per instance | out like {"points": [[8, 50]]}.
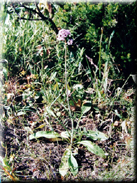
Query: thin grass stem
{"points": [[100, 52]]}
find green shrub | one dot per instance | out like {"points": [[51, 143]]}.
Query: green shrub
{"points": [[85, 21]]}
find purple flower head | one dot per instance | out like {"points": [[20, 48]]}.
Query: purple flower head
{"points": [[70, 42], [62, 34]]}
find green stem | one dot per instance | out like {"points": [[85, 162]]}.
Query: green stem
{"points": [[100, 52], [66, 83], [78, 122]]}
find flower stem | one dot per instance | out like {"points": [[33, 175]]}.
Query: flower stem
{"points": [[66, 83]]}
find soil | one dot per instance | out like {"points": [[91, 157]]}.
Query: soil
{"points": [[40, 159]]}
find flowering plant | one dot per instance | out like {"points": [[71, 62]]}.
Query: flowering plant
{"points": [[68, 161], [70, 42], [63, 34]]}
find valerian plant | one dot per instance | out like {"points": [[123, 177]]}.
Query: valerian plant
{"points": [[74, 136]]}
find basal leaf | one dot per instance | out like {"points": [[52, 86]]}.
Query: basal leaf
{"points": [[73, 165], [64, 166], [93, 148], [95, 135], [65, 134], [46, 134]]}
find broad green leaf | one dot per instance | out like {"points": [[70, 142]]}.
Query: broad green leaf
{"points": [[46, 134], [65, 134], [95, 135], [49, 111], [86, 107], [73, 165], [21, 113], [93, 148], [64, 166]]}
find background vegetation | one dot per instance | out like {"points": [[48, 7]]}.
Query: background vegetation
{"points": [[101, 68]]}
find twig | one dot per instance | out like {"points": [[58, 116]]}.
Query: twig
{"points": [[40, 14], [33, 19], [47, 18]]}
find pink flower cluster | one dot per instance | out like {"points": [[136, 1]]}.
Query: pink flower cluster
{"points": [[70, 42], [64, 33]]}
